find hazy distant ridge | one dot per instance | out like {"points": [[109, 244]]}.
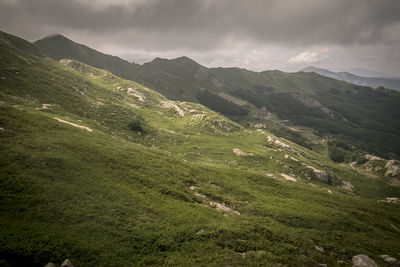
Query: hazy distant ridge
{"points": [[359, 80]]}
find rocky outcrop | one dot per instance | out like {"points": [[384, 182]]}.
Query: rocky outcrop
{"points": [[390, 260], [239, 152], [218, 206], [280, 144], [363, 261], [393, 168], [394, 200], [171, 105], [3, 104], [347, 186], [321, 175], [289, 178], [372, 157], [67, 263], [319, 249]]}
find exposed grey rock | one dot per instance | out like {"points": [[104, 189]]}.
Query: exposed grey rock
{"points": [[50, 264], [322, 176], [393, 167], [67, 263], [390, 260], [322, 265], [319, 249], [3, 104], [363, 261]]}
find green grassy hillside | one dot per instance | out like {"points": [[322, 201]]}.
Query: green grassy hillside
{"points": [[358, 116], [107, 172]]}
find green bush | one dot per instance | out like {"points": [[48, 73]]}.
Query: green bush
{"points": [[136, 125]]}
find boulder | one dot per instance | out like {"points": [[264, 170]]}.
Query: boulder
{"points": [[390, 260], [67, 263], [3, 104], [363, 261], [322, 176], [322, 265], [393, 168], [319, 249]]}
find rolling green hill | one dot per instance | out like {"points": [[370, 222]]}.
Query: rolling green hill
{"points": [[362, 117], [107, 172]]}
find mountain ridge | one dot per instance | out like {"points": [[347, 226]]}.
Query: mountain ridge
{"points": [[303, 99], [356, 79]]}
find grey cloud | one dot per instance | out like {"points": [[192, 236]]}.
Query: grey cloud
{"points": [[208, 22], [192, 27]]}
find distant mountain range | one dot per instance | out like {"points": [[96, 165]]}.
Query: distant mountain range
{"points": [[328, 106], [367, 73], [374, 82]]}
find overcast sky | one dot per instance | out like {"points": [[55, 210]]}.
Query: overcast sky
{"points": [[252, 34]]}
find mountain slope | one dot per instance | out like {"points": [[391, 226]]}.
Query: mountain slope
{"points": [[105, 171], [356, 79], [58, 47], [340, 112]]}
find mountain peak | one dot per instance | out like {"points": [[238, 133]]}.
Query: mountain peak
{"points": [[178, 62], [54, 36]]}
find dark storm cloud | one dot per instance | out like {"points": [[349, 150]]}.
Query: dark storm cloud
{"points": [[204, 23], [226, 32]]}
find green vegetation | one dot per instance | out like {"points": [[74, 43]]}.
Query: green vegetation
{"points": [[219, 104], [78, 181], [365, 117]]}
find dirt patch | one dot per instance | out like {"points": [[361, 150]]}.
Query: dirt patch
{"points": [[74, 125]]}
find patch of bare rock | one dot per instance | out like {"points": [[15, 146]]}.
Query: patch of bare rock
{"points": [[280, 144], [239, 152], [288, 177], [363, 261], [218, 206], [390, 260], [347, 186], [393, 168], [394, 200], [171, 105], [66, 263], [320, 175]]}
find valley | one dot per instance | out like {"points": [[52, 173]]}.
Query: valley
{"points": [[109, 163]]}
